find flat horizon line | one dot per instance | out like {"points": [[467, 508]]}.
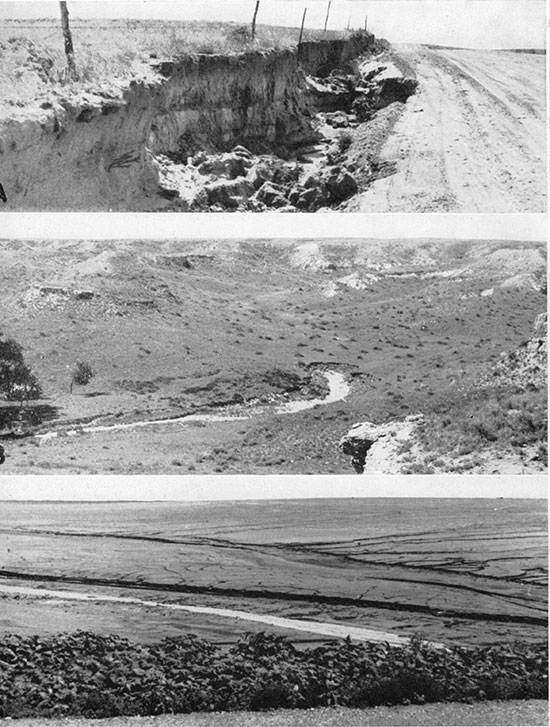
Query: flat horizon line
{"points": [[274, 499]]}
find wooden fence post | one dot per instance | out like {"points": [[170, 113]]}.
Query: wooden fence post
{"points": [[254, 19], [69, 50], [328, 13], [302, 27]]}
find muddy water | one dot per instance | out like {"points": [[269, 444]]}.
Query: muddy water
{"points": [[338, 390]]}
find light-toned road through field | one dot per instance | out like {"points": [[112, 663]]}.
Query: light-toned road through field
{"points": [[333, 630], [472, 139]]}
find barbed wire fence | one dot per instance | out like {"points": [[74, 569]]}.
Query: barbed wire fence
{"points": [[356, 20]]}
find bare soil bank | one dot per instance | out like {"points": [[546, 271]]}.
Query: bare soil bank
{"points": [[178, 328], [147, 129], [119, 144]]}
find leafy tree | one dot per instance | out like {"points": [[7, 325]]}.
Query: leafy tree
{"points": [[17, 380], [82, 374]]}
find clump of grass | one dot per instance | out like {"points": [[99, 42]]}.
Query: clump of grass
{"points": [[500, 419], [344, 141]]}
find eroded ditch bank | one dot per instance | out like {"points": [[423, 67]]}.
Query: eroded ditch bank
{"points": [[254, 131]]}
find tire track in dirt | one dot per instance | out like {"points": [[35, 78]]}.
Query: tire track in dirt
{"points": [[472, 139]]}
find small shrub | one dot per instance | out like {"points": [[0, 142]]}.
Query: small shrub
{"points": [[344, 141], [82, 374]]}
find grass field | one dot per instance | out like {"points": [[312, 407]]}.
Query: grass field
{"points": [[115, 51], [174, 328]]}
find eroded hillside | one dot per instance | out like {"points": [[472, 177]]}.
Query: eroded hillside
{"points": [[243, 338]]}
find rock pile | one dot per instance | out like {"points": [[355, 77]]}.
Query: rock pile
{"points": [[318, 177], [361, 95], [239, 180]]}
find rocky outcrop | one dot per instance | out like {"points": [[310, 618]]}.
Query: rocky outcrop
{"points": [[99, 150], [527, 366], [377, 444], [239, 180]]}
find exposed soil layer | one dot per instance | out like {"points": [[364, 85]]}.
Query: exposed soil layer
{"points": [[251, 329], [126, 145], [337, 124]]}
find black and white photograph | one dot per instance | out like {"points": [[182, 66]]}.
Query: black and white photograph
{"points": [[281, 356], [286, 469], [306, 601], [209, 106]]}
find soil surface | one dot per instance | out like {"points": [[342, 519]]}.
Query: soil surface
{"points": [[513, 712], [462, 572], [472, 138]]}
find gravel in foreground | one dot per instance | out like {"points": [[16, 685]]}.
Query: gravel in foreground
{"points": [[510, 713]]}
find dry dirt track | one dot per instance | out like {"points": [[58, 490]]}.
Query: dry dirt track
{"points": [[513, 712], [471, 140]]}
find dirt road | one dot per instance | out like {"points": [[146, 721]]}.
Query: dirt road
{"points": [[472, 139], [511, 712]]}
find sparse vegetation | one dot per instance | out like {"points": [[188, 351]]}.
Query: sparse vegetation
{"points": [[96, 676], [34, 59], [344, 141], [81, 375], [502, 419], [197, 345]]}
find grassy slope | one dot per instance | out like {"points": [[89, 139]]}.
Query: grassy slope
{"points": [[165, 338]]}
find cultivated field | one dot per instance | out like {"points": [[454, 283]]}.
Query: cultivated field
{"points": [[258, 356]]}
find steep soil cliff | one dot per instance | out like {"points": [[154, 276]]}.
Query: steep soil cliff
{"points": [[96, 150]]}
